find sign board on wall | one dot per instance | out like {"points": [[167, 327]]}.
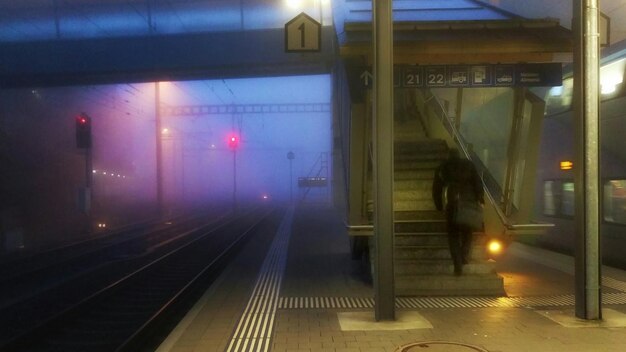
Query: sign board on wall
{"points": [[474, 76], [303, 34]]}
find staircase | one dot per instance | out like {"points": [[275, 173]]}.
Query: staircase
{"points": [[423, 265]]}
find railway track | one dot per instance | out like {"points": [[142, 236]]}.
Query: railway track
{"points": [[129, 310], [25, 278]]}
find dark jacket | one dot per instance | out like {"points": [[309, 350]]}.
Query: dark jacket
{"points": [[460, 180]]}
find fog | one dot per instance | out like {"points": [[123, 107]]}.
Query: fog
{"points": [[43, 172]]}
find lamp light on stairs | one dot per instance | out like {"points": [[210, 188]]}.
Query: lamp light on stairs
{"points": [[494, 247]]}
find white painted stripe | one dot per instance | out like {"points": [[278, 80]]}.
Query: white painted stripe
{"points": [[254, 330], [448, 302]]}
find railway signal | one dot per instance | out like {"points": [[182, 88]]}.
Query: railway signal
{"points": [[83, 131], [233, 142]]}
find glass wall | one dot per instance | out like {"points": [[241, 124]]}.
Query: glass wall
{"points": [[485, 124]]}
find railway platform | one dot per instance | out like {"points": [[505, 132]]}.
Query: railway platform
{"points": [[299, 290]]}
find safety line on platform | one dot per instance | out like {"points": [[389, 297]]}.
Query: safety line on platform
{"points": [[441, 302], [254, 329]]}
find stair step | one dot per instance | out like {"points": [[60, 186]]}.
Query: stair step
{"points": [[418, 215], [426, 174], [441, 266], [420, 194], [408, 185], [408, 136], [413, 156], [420, 226], [449, 285], [421, 239], [408, 205], [432, 252], [416, 164], [425, 238], [420, 146]]}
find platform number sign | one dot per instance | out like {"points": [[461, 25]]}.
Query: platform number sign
{"points": [[303, 34], [412, 77], [435, 76]]}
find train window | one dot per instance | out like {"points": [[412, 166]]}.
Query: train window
{"points": [[549, 198], [611, 77], [615, 201], [567, 198]]}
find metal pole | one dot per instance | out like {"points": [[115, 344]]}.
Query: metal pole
{"points": [[88, 168], [587, 171], [382, 43], [159, 148], [290, 182], [182, 167], [234, 180], [88, 184]]}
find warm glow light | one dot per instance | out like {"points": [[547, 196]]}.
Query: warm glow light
{"points": [[566, 165], [494, 246], [294, 4], [165, 131]]}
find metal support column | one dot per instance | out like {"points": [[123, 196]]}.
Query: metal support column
{"points": [[382, 43], [235, 180], [586, 165], [159, 148]]}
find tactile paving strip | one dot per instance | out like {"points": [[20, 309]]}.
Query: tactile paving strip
{"points": [[254, 330], [440, 302]]}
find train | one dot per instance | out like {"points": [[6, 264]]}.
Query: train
{"points": [[555, 186]]}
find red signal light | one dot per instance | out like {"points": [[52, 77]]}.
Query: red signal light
{"points": [[83, 131], [233, 142]]}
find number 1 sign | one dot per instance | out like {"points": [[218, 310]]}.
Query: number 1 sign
{"points": [[303, 33]]}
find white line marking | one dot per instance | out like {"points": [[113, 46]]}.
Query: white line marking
{"points": [[256, 323]]}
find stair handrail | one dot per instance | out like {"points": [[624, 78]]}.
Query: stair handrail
{"points": [[456, 135]]}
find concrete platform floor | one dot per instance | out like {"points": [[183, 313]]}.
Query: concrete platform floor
{"points": [[299, 290]]}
